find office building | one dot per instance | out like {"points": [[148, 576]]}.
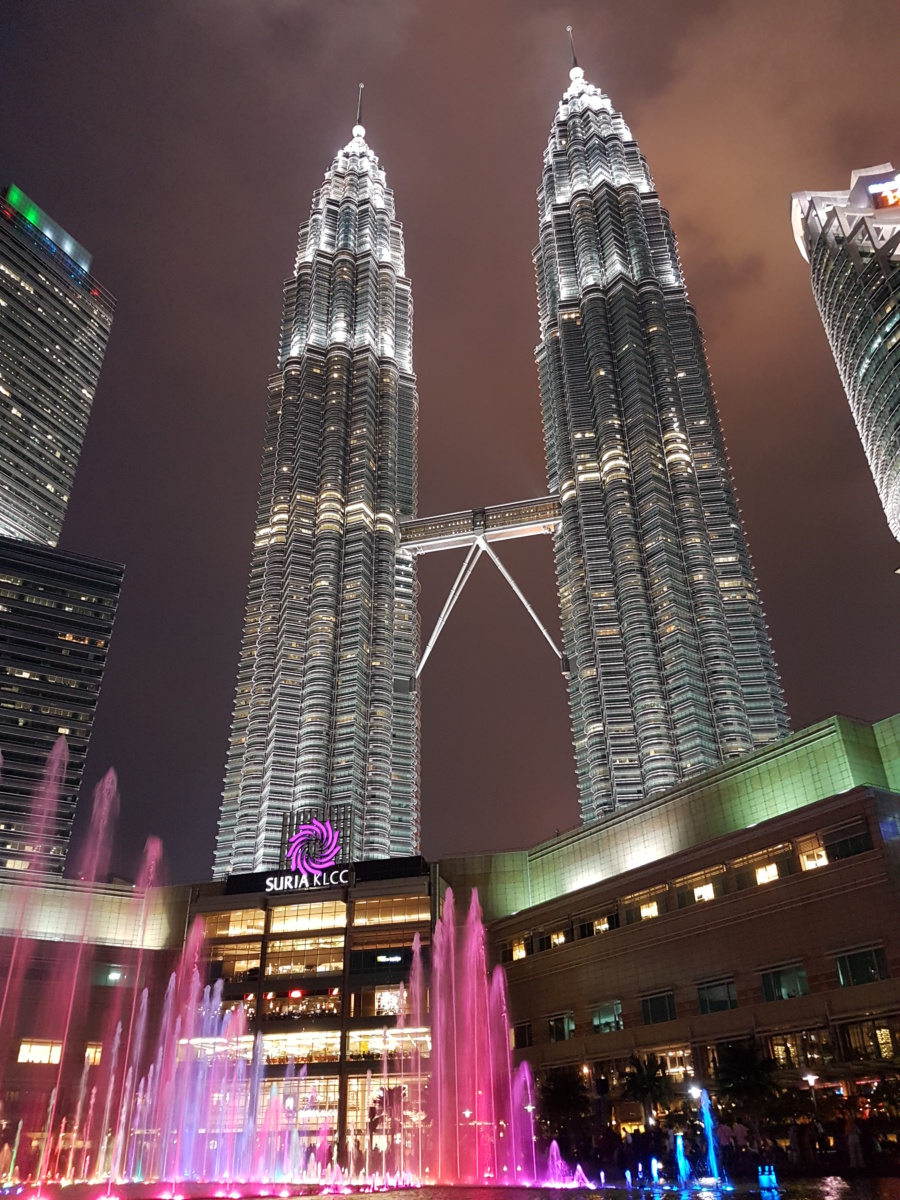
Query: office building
{"points": [[55, 320], [671, 666], [56, 608], [756, 901], [56, 618], [851, 241], [326, 714]]}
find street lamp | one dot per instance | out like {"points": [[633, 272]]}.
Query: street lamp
{"points": [[695, 1092], [812, 1080]]}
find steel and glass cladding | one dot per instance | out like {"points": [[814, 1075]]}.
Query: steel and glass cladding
{"points": [[851, 241], [671, 666], [56, 618], [54, 325], [326, 719]]}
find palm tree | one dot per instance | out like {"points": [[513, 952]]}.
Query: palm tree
{"points": [[648, 1083], [564, 1104], [746, 1078]]}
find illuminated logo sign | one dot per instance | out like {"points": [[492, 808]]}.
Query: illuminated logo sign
{"points": [[311, 856], [886, 195], [313, 848]]}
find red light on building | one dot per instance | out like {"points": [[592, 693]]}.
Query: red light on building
{"points": [[296, 994]]}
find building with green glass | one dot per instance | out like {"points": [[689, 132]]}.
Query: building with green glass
{"points": [[851, 241]]}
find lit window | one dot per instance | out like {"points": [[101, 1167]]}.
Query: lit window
{"points": [[706, 891], [766, 873], [392, 910], [812, 853], [234, 924], [649, 910], [326, 914], [40, 1052], [518, 949], [92, 1054], [607, 1017]]}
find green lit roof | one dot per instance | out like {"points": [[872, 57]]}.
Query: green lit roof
{"points": [[27, 208], [827, 759]]}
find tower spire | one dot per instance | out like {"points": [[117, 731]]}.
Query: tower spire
{"points": [[359, 129], [572, 46]]}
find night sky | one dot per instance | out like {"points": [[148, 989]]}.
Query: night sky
{"points": [[180, 142]]}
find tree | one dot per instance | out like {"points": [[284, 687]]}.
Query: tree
{"points": [[648, 1083], [746, 1078], [565, 1107]]}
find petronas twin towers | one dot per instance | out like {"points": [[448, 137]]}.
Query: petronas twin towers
{"points": [[669, 665]]}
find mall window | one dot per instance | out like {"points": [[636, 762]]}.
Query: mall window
{"points": [[296, 918], [717, 996], [382, 1000], [785, 983], [235, 961], [644, 906], [555, 937], [519, 947], [607, 1017], [306, 956], [658, 1008], [847, 840], [811, 852], [599, 925], [561, 1027], [392, 910], [521, 1035], [93, 1052], [862, 966], [302, 1003], [756, 870], [705, 885], [41, 1052], [234, 924]]}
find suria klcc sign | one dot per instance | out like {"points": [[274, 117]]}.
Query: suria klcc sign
{"points": [[312, 854]]}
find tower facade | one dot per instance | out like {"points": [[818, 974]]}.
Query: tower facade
{"points": [[54, 325], [851, 241], [326, 719], [671, 670]]}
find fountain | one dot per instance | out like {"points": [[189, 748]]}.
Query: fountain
{"points": [[179, 1095]]}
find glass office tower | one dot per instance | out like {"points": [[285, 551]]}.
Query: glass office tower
{"points": [[326, 716], [671, 666], [851, 241], [56, 608], [54, 324], [56, 618]]}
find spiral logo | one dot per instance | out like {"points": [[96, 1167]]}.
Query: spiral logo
{"points": [[313, 848]]}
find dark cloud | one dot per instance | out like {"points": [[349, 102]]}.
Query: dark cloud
{"points": [[181, 144]]}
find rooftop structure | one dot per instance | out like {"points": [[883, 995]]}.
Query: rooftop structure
{"points": [[851, 241]]}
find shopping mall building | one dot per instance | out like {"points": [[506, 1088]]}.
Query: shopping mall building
{"points": [[759, 900]]}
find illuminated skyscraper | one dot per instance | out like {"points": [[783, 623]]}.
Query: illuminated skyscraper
{"points": [[54, 324], [671, 666], [56, 608], [851, 241], [326, 719]]}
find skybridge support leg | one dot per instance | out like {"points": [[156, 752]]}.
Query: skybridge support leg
{"points": [[475, 552], [515, 587]]}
